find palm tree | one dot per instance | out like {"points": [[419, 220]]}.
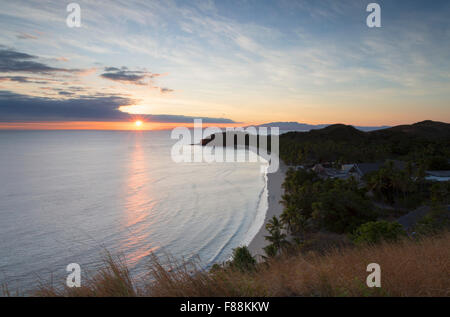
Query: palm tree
{"points": [[276, 237], [274, 224], [294, 220]]}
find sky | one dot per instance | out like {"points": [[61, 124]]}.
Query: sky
{"points": [[228, 62]]}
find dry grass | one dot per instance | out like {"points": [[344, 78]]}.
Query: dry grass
{"points": [[113, 280], [408, 268]]}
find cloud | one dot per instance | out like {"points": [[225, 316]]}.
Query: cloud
{"points": [[123, 74], [26, 36], [12, 61], [25, 79], [19, 79], [135, 77], [66, 93], [164, 90], [100, 107], [22, 108]]}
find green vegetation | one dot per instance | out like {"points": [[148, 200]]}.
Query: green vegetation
{"points": [[434, 222], [405, 188], [276, 238], [341, 207], [242, 259], [438, 218], [425, 142], [312, 203], [378, 231], [361, 210], [364, 209]]}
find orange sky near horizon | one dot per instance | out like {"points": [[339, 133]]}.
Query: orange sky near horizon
{"points": [[93, 125], [149, 126]]}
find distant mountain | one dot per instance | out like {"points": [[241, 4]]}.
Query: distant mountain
{"points": [[293, 126], [304, 127]]}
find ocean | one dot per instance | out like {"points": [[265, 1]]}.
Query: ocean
{"points": [[69, 196]]}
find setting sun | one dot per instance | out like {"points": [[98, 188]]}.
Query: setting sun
{"points": [[138, 123]]}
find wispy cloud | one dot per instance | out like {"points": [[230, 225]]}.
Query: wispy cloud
{"points": [[26, 36]]}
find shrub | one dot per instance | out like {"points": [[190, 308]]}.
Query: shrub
{"points": [[434, 222], [377, 231], [271, 250], [242, 259]]}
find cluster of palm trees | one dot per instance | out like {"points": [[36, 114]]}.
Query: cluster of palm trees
{"points": [[392, 185], [340, 206]]}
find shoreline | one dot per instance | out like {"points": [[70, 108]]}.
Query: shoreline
{"points": [[274, 208]]}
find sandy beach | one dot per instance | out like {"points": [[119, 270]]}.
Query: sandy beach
{"points": [[275, 208]]}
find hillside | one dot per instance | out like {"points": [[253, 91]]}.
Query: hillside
{"points": [[338, 132], [428, 129], [419, 141]]}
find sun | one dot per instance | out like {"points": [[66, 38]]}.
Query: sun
{"points": [[138, 123]]}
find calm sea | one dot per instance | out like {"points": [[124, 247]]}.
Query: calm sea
{"points": [[66, 196]]}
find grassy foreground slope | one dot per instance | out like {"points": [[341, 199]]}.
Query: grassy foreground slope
{"points": [[408, 268]]}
